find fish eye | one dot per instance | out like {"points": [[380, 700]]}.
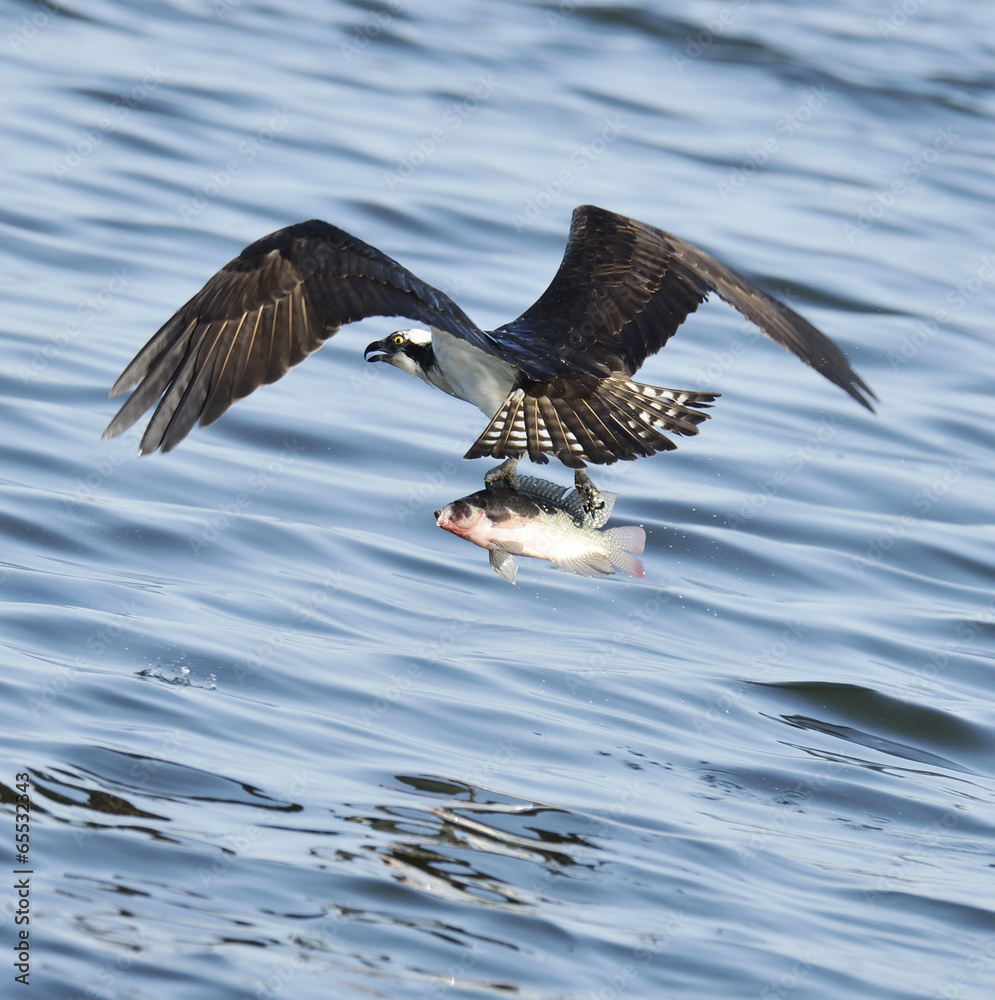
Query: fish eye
{"points": [[397, 340]]}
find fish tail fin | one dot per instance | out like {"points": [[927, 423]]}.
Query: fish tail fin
{"points": [[624, 544], [629, 537]]}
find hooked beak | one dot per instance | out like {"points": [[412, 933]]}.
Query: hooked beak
{"points": [[377, 351]]}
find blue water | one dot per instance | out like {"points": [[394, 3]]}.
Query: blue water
{"points": [[285, 737]]}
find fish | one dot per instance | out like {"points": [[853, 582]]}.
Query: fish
{"points": [[545, 521]]}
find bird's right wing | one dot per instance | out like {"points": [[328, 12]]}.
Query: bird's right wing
{"points": [[622, 290], [263, 313]]}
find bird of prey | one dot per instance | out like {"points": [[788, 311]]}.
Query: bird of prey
{"points": [[556, 381]]}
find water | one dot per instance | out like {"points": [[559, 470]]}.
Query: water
{"points": [[287, 738]]}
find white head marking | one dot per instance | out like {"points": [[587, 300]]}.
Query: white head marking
{"points": [[417, 336]]}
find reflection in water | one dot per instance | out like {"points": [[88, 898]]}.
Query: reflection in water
{"points": [[448, 841], [466, 846]]}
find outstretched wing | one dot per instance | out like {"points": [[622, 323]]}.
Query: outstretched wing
{"points": [[622, 291], [280, 299]]}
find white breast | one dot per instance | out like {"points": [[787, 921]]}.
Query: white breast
{"points": [[469, 373]]}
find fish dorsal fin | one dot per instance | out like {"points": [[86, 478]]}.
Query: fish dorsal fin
{"points": [[568, 499], [504, 565], [542, 488]]}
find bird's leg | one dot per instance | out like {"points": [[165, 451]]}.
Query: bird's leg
{"points": [[590, 498], [504, 473]]}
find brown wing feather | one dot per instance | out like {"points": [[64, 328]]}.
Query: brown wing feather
{"points": [[621, 293], [263, 313]]}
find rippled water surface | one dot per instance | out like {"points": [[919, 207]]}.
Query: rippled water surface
{"points": [[287, 738]]}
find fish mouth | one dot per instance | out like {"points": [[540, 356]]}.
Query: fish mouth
{"points": [[454, 513]]}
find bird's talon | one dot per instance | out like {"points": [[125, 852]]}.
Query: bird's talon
{"points": [[591, 500], [504, 473]]}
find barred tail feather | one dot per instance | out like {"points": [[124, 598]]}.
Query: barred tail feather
{"points": [[621, 419], [505, 436]]}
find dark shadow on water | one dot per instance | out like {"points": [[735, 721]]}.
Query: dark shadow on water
{"points": [[887, 746], [893, 726]]}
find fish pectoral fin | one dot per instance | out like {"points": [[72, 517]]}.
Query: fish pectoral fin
{"points": [[590, 564], [504, 565], [515, 548]]}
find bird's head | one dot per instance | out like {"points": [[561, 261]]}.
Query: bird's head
{"points": [[409, 350]]}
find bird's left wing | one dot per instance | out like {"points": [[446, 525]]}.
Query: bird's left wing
{"points": [[263, 313], [622, 290]]}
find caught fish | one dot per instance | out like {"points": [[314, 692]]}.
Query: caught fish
{"points": [[545, 521]]}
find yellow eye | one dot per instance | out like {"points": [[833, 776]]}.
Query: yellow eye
{"points": [[397, 340]]}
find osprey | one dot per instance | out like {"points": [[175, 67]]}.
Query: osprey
{"points": [[556, 381]]}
